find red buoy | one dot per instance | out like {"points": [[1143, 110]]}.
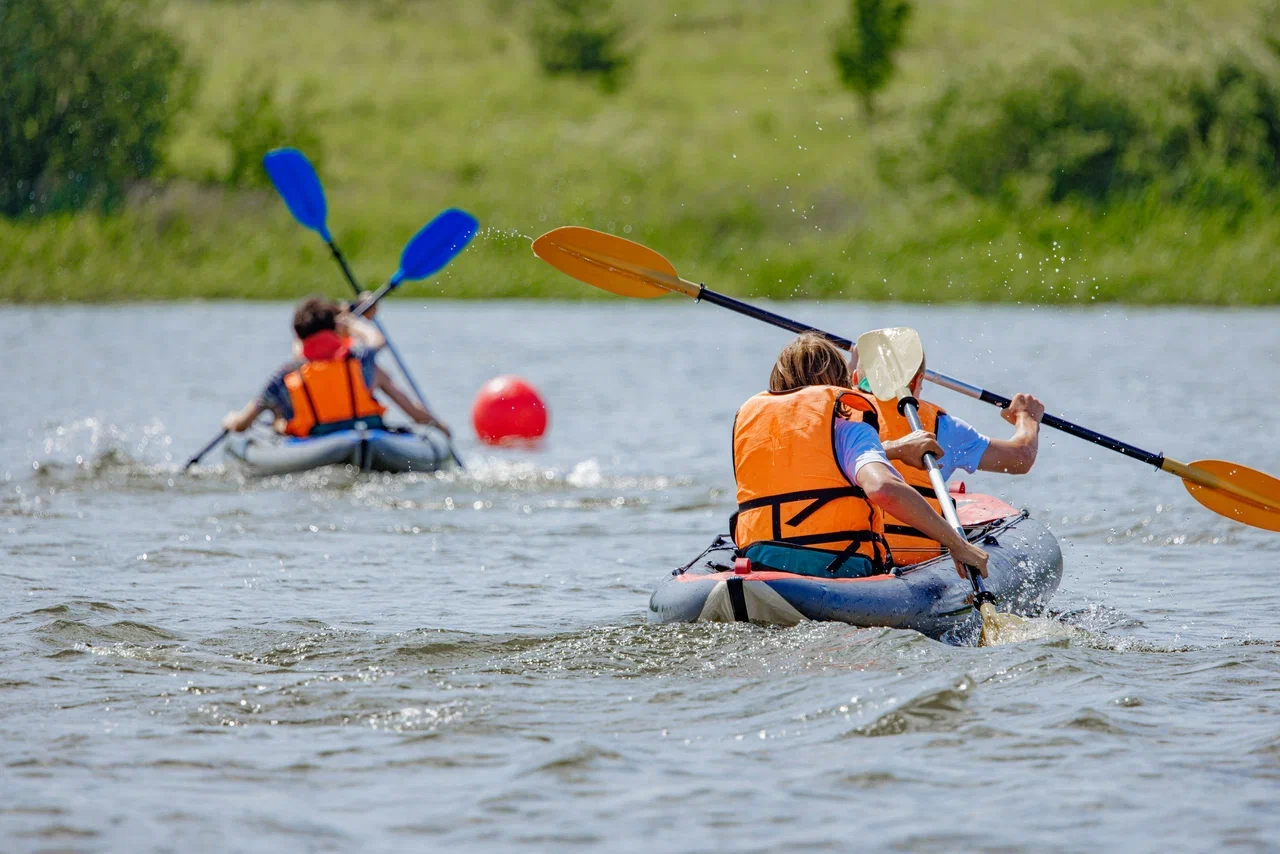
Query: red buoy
{"points": [[507, 410]]}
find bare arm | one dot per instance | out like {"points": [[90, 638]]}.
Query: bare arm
{"points": [[1016, 455], [383, 383], [891, 494], [238, 422], [363, 331]]}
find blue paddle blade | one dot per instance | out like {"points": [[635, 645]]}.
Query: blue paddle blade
{"points": [[296, 181], [438, 243]]}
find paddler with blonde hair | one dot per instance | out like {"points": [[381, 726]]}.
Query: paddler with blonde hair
{"points": [[956, 445], [814, 482]]}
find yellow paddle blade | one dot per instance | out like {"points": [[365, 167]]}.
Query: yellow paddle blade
{"points": [[609, 262], [999, 627], [889, 359], [1232, 490]]}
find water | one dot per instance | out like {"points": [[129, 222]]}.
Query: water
{"points": [[332, 662]]}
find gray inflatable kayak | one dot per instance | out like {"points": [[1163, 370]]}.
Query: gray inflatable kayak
{"points": [[1024, 571], [264, 453]]}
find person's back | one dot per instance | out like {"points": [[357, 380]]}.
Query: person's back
{"points": [[957, 446], [330, 384], [330, 390], [813, 480], [906, 542], [791, 490]]}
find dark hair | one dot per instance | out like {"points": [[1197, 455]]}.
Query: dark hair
{"points": [[314, 314], [809, 360]]}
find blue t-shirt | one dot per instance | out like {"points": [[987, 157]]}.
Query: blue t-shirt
{"points": [[856, 445], [275, 396], [962, 446]]}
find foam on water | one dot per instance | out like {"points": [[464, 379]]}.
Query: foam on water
{"points": [[462, 661]]}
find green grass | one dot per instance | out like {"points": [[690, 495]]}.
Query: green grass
{"points": [[732, 150]]}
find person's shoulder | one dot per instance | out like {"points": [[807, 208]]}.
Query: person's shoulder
{"points": [[361, 352], [855, 407], [953, 426]]}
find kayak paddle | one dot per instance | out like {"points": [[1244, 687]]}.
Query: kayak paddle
{"points": [[889, 359], [296, 181], [626, 268], [427, 252]]}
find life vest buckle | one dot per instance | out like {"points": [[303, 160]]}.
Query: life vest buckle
{"points": [[741, 566]]}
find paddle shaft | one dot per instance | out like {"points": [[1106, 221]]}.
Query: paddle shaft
{"points": [[907, 406], [1153, 459], [621, 273], [206, 449], [370, 303], [391, 348]]}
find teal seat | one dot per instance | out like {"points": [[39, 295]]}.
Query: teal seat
{"points": [[814, 563]]}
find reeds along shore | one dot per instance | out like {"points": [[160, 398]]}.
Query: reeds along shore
{"points": [[730, 146]]}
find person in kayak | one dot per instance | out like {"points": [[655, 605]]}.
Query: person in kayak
{"points": [[814, 482], [956, 445], [330, 384]]}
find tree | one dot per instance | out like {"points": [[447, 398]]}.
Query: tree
{"points": [[88, 95], [581, 37], [865, 47]]}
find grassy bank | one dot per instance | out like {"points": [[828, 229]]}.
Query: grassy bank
{"points": [[732, 150]]}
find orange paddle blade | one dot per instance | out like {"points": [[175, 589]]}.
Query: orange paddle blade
{"points": [[609, 262], [1222, 497]]}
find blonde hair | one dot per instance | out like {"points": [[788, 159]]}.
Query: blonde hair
{"points": [[809, 360]]}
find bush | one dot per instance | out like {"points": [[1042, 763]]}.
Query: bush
{"points": [[1096, 128], [581, 37], [258, 122], [88, 96], [865, 47]]}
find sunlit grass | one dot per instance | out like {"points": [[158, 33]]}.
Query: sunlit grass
{"points": [[732, 150]]}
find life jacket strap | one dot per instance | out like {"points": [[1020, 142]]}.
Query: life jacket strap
{"points": [[818, 498], [926, 491]]}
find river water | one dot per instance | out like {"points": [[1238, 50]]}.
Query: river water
{"points": [[335, 662]]}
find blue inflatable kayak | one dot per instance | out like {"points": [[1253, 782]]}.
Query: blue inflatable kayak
{"points": [[1024, 570], [265, 453]]}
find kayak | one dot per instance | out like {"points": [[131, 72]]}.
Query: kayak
{"points": [[1024, 570], [265, 453]]}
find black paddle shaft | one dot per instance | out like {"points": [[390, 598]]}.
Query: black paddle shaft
{"points": [[1083, 433], [1053, 421], [346, 269]]}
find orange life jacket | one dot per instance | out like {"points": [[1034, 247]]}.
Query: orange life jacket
{"points": [[329, 396], [791, 488], [908, 544]]}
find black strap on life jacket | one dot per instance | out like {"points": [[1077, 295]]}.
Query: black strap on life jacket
{"points": [[877, 562], [926, 491], [906, 531], [818, 498]]}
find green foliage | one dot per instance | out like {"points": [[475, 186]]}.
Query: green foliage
{"points": [[865, 47], [581, 37], [1098, 128], [729, 150], [257, 122], [89, 91]]}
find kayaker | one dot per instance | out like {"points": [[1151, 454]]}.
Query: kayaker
{"points": [[957, 445], [330, 384], [814, 482]]}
